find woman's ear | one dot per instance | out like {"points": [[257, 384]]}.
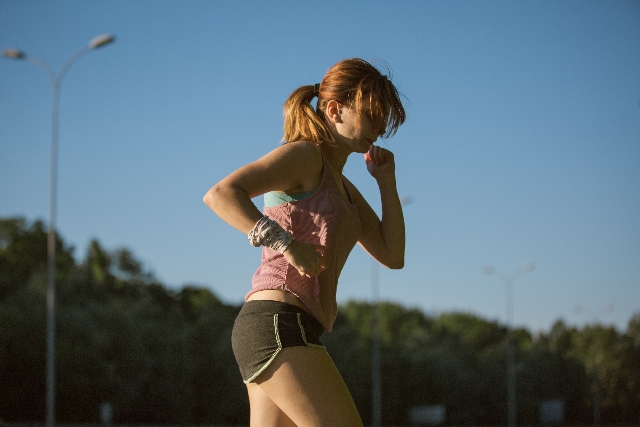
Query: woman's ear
{"points": [[332, 112]]}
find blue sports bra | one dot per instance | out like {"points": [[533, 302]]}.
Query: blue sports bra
{"points": [[275, 198]]}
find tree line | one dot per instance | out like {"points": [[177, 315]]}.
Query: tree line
{"points": [[160, 355]]}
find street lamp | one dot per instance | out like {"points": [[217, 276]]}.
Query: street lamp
{"points": [[511, 363], [596, 362], [376, 357], [55, 81]]}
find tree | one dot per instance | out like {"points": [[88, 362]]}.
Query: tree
{"points": [[23, 253], [162, 355]]}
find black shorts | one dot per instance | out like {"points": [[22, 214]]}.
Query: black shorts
{"points": [[263, 328]]}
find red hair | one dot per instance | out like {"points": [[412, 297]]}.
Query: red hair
{"points": [[350, 82]]}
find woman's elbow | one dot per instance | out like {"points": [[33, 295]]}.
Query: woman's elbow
{"points": [[212, 196], [396, 265], [396, 262]]}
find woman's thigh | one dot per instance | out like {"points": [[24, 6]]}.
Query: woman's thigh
{"points": [[305, 385], [265, 413]]}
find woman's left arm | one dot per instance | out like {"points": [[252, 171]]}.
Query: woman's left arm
{"points": [[383, 238]]}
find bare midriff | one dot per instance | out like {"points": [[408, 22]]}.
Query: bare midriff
{"points": [[277, 295]]}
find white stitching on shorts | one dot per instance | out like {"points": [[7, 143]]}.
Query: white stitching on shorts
{"points": [[304, 336], [273, 356]]}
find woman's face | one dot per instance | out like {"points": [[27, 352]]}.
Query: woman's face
{"points": [[356, 131]]}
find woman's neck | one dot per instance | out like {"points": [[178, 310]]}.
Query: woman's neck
{"points": [[336, 156]]}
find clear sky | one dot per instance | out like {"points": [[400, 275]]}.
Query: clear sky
{"points": [[522, 141]]}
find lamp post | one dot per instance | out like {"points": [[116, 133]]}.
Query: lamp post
{"points": [[596, 362], [511, 362], [55, 81], [376, 357]]}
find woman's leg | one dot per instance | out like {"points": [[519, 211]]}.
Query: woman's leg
{"points": [[304, 384], [265, 413]]}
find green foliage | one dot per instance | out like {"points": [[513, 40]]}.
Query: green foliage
{"points": [[164, 356], [23, 253], [159, 356]]}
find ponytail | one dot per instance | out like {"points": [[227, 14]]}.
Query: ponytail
{"points": [[301, 122]]}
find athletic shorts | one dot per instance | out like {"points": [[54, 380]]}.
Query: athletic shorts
{"points": [[263, 328]]}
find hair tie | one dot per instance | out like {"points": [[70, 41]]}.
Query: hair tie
{"points": [[316, 90]]}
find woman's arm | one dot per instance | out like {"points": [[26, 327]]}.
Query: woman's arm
{"points": [[293, 167], [290, 167], [383, 238]]}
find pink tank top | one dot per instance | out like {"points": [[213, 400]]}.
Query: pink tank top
{"points": [[327, 218]]}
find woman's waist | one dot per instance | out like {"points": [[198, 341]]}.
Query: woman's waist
{"points": [[277, 295]]}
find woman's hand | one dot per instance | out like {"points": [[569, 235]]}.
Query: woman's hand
{"points": [[306, 258], [380, 162]]}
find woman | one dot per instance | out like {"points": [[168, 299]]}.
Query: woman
{"points": [[313, 217]]}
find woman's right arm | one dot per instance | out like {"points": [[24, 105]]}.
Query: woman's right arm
{"points": [[231, 202], [294, 167]]}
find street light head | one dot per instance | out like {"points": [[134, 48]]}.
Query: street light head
{"points": [[406, 200], [487, 269], [13, 54], [101, 41]]}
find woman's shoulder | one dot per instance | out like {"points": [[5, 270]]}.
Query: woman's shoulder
{"points": [[351, 188], [305, 148], [304, 153], [302, 162]]}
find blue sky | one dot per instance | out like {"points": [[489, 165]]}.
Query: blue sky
{"points": [[522, 141]]}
